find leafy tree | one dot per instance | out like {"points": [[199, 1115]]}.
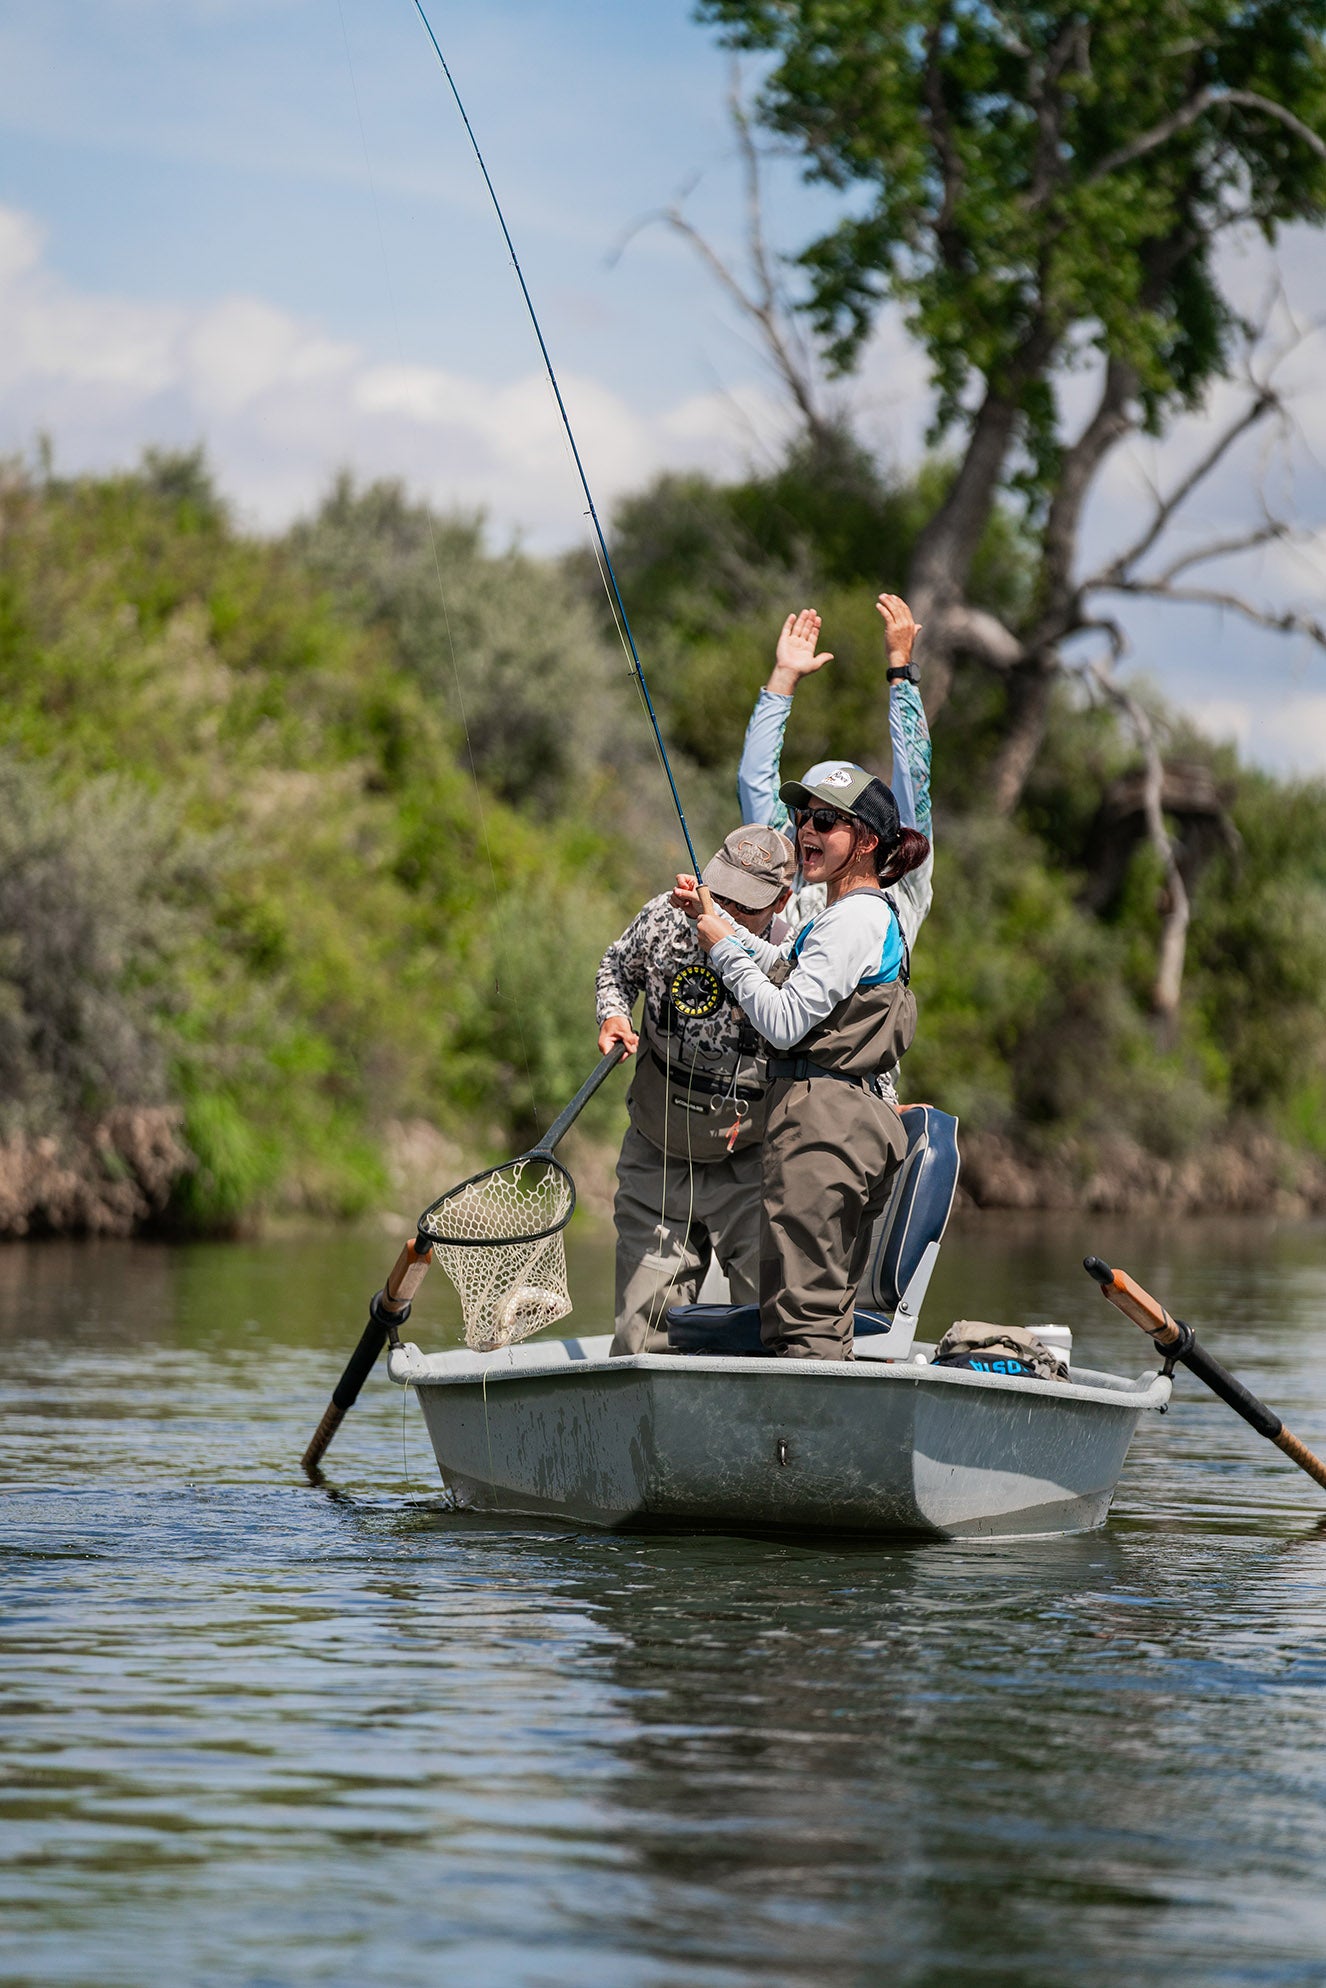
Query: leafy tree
{"points": [[501, 643], [1044, 189]]}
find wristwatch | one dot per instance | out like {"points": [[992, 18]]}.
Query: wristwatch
{"points": [[908, 670]]}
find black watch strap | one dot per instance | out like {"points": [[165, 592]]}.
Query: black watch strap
{"points": [[908, 670]]}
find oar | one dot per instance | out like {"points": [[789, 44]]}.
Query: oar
{"points": [[390, 1308], [1179, 1342]]}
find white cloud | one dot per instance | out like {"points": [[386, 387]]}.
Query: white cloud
{"points": [[280, 405]]}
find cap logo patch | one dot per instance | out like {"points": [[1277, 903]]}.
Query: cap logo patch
{"points": [[750, 855], [842, 778]]}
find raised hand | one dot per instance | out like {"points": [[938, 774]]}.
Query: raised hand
{"points": [[900, 629], [796, 655]]}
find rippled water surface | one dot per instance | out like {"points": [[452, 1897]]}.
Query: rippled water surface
{"points": [[251, 1732]]}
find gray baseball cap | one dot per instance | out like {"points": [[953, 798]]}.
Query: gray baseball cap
{"points": [[838, 783], [755, 865]]}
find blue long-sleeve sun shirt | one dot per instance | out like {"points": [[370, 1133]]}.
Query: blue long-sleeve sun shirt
{"points": [[759, 777]]}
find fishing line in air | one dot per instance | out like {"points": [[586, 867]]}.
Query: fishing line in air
{"points": [[615, 597]]}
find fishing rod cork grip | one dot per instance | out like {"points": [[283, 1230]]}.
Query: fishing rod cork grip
{"points": [[1134, 1302]]}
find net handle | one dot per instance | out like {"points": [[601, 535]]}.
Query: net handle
{"points": [[562, 1124]]}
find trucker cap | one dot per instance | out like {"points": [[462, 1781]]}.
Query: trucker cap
{"points": [[755, 865], [837, 783]]}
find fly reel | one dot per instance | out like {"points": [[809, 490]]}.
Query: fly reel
{"points": [[697, 992]]}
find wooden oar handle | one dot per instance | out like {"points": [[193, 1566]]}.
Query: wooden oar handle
{"points": [[1134, 1302], [1300, 1454], [407, 1274], [1181, 1344]]}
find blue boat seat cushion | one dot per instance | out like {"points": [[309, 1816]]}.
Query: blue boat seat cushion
{"points": [[735, 1329]]}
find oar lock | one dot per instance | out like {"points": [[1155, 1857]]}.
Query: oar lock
{"points": [[1177, 1347], [390, 1317]]}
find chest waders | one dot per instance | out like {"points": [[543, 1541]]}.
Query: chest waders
{"points": [[831, 1148], [688, 1106], [675, 1207]]}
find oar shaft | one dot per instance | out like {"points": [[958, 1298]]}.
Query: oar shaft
{"points": [[390, 1307], [1300, 1454], [1230, 1389], [1179, 1341]]}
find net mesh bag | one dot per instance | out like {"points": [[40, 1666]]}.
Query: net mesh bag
{"points": [[500, 1239]]}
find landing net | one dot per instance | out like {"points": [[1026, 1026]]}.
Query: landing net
{"points": [[500, 1240]]}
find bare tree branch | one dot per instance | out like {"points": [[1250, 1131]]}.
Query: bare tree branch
{"points": [[1289, 622], [977, 633], [761, 299], [1176, 911], [1197, 107], [1264, 401], [1107, 425], [1224, 548]]}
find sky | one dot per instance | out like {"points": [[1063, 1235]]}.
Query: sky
{"points": [[258, 224]]}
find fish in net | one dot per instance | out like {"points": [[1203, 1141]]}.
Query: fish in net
{"points": [[500, 1237]]}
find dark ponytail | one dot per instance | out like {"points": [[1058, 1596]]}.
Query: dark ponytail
{"points": [[907, 853]]}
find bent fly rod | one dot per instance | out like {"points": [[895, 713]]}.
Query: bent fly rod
{"points": [[615, 591]]}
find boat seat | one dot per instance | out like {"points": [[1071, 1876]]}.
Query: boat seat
{"points": [[735, 1329], [916, 1214], [903, 1252]]}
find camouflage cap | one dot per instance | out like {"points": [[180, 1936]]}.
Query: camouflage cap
{"points": [[838, 783], [755, 865]]}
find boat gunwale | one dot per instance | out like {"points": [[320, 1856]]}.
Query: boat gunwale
{"points": [[409, 1367]]}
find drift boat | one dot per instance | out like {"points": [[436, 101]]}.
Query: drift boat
{"points": [[714, 1433]]}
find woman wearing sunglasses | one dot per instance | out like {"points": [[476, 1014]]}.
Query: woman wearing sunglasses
{"points": [[836, 1009]]}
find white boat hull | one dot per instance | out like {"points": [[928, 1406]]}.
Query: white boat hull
{"points": [[557, 1428]]}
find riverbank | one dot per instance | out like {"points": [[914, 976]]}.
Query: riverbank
{"points": [[119, 1181], [1248, 1174]]}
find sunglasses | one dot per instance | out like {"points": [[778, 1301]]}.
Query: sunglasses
{"points": [[822, 819]]}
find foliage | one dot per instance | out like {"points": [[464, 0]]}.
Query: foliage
{"points": [[1033, 175], [711, 569], [272, 879], [249, 882], [502, 645]]}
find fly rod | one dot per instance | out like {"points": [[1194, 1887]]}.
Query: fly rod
{"points": [[616, 594]]}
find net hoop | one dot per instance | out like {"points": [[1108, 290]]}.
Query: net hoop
{"points": [[499, 1237], [431, 1232]]}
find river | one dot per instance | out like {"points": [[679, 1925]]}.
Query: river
{"points": [[256, 1733]]}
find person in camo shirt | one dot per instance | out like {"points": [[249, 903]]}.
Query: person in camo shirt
{"points": [[688, 1178]]}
